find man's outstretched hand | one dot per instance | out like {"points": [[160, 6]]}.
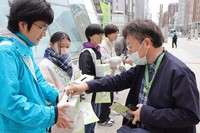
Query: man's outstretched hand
{"points": [[76, 89]]}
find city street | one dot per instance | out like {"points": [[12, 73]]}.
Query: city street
{"points": [[55, 37], [188, 52]]}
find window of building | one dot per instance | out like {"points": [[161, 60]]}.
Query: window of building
{"points": [[71, 18], [64, 21]]}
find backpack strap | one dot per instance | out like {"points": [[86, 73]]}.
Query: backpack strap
{"points": [[92, 53]]}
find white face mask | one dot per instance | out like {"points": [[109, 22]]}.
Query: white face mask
{"points": [[136, 58], [64, 51]]}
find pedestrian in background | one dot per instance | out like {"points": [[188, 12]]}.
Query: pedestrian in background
{"points": [[94, 33], [174, 39], [162, 87], [23, 90]]}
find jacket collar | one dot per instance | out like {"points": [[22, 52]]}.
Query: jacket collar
{"points": [[18, 43]]}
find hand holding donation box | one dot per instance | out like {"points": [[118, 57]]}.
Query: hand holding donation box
{"points": [[73, 111]]}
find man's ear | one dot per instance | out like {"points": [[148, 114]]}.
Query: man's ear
{"points": [[148, 42], [22, 26]]}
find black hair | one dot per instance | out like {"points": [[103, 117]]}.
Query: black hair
{"points": [[110, 28], [29, 11], [142, 29], [93, 29], [58, 36]]}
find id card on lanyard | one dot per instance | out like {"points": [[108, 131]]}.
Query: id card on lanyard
{"points": [[149, 83]]}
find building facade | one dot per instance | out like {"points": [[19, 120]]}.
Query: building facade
{"points": [[180, 16], [196, 16], [70, 16], [172, 9]]}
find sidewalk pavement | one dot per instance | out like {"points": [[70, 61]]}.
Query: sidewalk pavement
{"points": [[188, 52]]}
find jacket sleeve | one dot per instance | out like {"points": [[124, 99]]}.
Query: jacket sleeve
{"points": [[15, 105], [50, 93], [112, 83]]}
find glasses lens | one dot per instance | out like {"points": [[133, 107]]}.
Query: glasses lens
{"points": [[44, 28]]}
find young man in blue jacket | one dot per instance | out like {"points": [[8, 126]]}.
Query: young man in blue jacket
{"points": [[162, 87], [23, 90]]}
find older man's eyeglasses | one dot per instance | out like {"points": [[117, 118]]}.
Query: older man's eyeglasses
{"points": [[44, 28], [130, 46]]}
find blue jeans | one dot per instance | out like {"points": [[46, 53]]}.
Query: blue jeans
{"points": [[89, 128], [126, 129]]}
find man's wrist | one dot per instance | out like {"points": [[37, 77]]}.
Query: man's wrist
{"points": [[85, 87], [56, 113]]}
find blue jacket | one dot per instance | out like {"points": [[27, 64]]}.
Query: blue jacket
{"points": [[23, 98], [173, 101]]}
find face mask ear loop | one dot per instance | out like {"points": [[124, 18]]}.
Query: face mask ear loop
{"points": [[146, 50], [141, 46]]}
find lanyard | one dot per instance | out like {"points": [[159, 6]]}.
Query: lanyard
{"points": [[149, 83]]}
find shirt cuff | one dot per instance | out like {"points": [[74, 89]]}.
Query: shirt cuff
{"points": [[56, 113]]}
